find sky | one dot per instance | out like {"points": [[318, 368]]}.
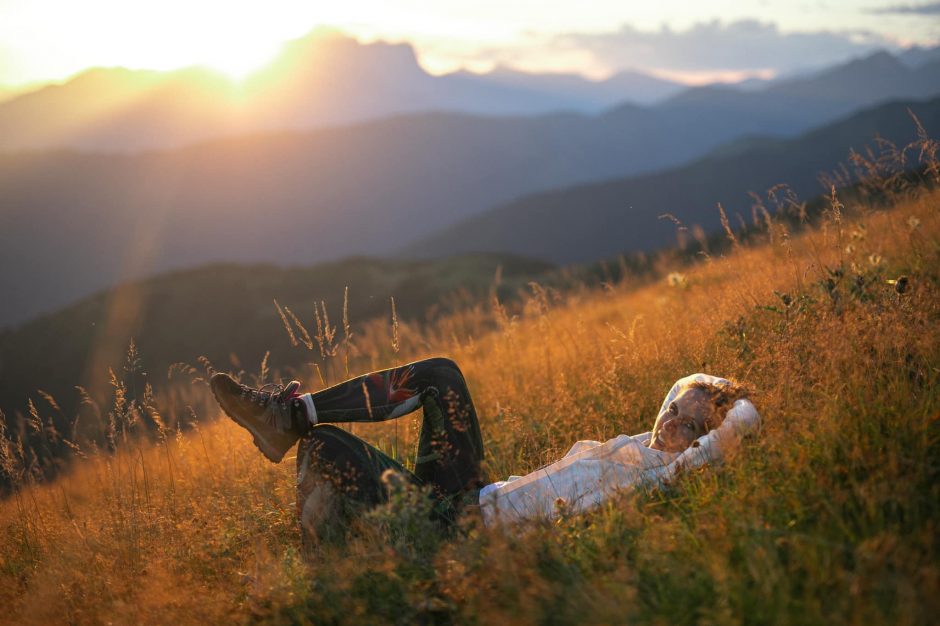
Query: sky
{"points": [[689, 40]]}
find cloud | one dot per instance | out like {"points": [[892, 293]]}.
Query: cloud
{"points": [[740, 46], [931, 8]]}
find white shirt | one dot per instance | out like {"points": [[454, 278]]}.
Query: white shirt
{"points": [[592, 471]]}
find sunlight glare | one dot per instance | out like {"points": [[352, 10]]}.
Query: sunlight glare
{"points": [[236, 58], [233, 38]]}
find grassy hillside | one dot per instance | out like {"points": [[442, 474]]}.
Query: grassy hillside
{"points": [[828, 516], [587, 222]]}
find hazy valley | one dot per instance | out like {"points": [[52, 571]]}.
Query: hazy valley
{"points": [[378, 187]]}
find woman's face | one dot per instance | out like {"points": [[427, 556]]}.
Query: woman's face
{"points": [[683, 422]]}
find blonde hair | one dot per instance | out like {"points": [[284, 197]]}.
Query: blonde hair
{"points": [[721, 397]]}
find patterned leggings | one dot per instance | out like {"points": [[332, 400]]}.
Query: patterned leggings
{"points": [[450, 447]]}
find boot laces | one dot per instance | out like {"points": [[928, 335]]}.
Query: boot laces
{"points": [[272, 398], [267, 393]]}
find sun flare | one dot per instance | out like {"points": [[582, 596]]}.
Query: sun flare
{"points": [[235, 59], [235, 39]]}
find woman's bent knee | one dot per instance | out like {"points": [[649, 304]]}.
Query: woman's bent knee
{"points": [[442, 362]]}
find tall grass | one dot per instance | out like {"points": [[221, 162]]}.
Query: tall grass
{"points": [[829, 516]]}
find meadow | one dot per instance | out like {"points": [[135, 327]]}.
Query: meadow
{"points": [[828, 516]]}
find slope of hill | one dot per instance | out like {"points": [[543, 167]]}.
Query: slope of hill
{"points": [[7, 93], [121, 110], [916, 56], [289, 198], [828, 515], [223, 310], [599, 220], [296, 198], [785, 106]]}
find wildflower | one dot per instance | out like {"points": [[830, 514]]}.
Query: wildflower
{"points": [[677, 280], [875, 260], [913, 223], [858, 234], [850, 249]]}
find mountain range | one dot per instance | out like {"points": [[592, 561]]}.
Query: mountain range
{"points": [[75, 222], [598, 220], [328, 79], [323, 79], [785, 106]]}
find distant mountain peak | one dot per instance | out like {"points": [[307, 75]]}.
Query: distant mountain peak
{"points": [[880, 57], [917, 56], [878, 62], [327, 43]]}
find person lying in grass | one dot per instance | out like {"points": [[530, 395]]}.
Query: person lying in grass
{"points": [[338, 471]]}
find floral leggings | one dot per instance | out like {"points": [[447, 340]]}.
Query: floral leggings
{"points": [[450, 447]]}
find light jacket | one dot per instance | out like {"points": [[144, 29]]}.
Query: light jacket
{"points": [[591, 471]]}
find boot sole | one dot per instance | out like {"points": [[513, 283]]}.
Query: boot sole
{"points": [[259, 441]]}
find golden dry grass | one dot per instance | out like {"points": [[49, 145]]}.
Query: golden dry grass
{"points": [[830, 516]]}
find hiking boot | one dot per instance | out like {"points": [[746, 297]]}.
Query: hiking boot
{"points": [[265, 412]]}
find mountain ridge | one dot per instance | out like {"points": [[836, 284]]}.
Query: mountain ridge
{"points": [[307, 196], [586, 222], [322, 79], [327, 79], [76, 344]]}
